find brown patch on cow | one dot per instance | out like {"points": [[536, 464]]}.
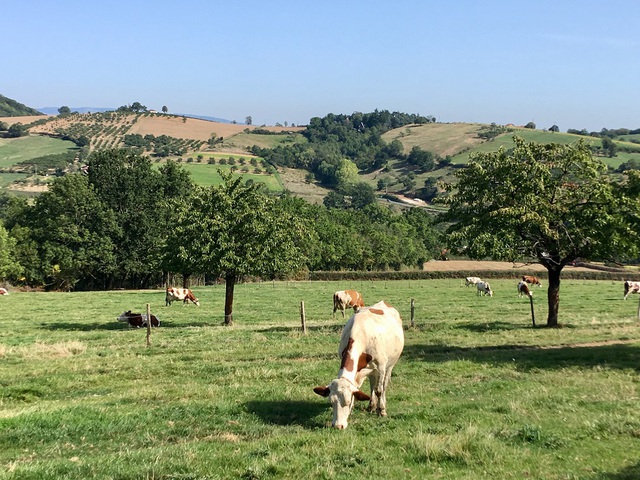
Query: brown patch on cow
{"points": [[347, 362], [388, 306], [364, 360], [376, 311]]}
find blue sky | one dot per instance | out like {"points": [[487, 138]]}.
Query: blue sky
{"points": [[571, 63]]}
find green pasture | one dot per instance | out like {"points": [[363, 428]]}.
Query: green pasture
{"points": [[7, 179], [16, 150], [206, 174], [477, 394]]}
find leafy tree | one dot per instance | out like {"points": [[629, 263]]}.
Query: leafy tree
{"points": [[73, 232], [17, 130], [549, 202], [10, 268], [64, 110], [530, 125], [164, 109], [554, 128], [128, 185], [248, 120], [609, 146], [422, 159], [235, 229]]}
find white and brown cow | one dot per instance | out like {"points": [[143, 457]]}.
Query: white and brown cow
{"points": [[344, 299], [631, 287], [183, 294], [371, 343], [523, 289], [531, 280], [483, 288], [471, 281], [138, 319], [4, 291]]}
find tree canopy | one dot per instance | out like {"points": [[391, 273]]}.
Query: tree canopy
{"points": [[550, 202]]}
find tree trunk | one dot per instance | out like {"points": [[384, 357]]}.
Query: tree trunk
{"points": [[185, 280], [553, 296], [230, 283]]}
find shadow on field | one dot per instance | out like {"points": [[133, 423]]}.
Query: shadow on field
{"points": [[289, 412], [632, 472], [317, 328], [529, 357], [489, 326], [83, 327]]}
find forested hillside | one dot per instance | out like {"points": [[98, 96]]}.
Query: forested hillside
{"points": [[11, 108]]}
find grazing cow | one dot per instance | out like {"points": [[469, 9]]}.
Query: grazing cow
{"points": [[371, 343], [483, 288], [631, 287], [344, 299], [183, 294], [4, 291], [471, 281], [523, 289], [531, 280], [138, 319]]}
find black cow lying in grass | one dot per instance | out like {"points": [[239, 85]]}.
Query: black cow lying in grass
{"points": [[138, 319]]}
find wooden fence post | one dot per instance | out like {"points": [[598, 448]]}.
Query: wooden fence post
{"points": [[148, 324], [638, 308], [413, 312], [533, 317], [303, 318]]}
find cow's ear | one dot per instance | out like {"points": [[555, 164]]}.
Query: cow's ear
{"points": [[322, 391], [360, 395]]}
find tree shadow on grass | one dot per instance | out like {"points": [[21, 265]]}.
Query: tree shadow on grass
{"points": [[632, 472], [491, 326], [290, 412], [315, 328], [610, 355]]}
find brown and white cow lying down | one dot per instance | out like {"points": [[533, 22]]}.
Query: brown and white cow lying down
{"points": [[344, 299], [631, 287], [530, 279], [183, 294], [371, 343], [138, 319], [4, 291], [523, 289]]}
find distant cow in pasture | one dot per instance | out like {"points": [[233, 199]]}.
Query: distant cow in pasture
{"points": [[471, 281], [631, 287], [344, 299], [138, 319], [483, 288], [531, 280], [4, 291], [371, 343], [523, 289], [183, 294]]}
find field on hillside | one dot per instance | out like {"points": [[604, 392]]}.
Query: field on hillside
{"points": [[477, 394], [205, 174], [15, 150]]}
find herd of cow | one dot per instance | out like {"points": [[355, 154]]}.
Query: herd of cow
{"points": [[483, 288], [371, 343]]}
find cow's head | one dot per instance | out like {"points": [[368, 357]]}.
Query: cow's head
{"points": [[124, 317], [342, 394]]}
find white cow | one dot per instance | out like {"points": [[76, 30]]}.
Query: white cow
{"points": [[483, 288], [471, 281], [631, 287], [371, 343], [4, 291]]}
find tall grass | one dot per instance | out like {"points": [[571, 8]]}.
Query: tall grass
{"points": [[478, 393]]}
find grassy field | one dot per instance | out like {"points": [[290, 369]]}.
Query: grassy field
{"points": [[15, 150], [205, 174], [477, 393]]}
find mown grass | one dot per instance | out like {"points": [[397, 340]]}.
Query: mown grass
{"points": [[16, 150], [477, 393]]}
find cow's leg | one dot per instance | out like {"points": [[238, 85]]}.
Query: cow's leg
{"points": [[382, 408], [374, 381]]}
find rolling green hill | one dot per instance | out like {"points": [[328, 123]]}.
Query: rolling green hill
{"points": [[11, 108]]}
